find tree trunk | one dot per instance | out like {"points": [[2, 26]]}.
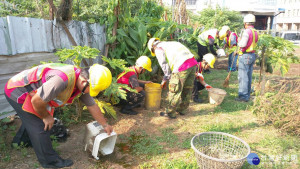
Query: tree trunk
{"points": [[115, 27], [262, 77]]}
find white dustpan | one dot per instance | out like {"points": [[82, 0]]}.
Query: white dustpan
{"points": [[96, 139]]}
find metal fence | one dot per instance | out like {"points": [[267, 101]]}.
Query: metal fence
{"points": [[27, 41]]}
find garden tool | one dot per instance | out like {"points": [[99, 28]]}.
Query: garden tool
{"points": [[226, 82]]}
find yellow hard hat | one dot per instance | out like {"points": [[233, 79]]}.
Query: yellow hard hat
{"points": [[100, 79], [144, 62], [249, 18], [210, 59], [223, 32], [150, 43]]}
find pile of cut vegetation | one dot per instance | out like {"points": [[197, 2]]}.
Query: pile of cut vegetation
{"points": [[280, 105]]}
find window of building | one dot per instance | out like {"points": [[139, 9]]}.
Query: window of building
{"points": [[190, 2]]}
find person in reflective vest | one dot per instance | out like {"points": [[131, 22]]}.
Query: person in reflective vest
{"points": [[134, 99], [179, 67], [230, 41], [247, 58], [207, 39], [35, 92], [199, 84]]}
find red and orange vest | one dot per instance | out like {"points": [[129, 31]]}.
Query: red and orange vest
{"points": [[253, 38], [37, 73], [228, 39], [123, 77]]}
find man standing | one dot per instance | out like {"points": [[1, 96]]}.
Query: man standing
{"points": [[207, 39], [179, 67], [247, 58], [199, 83], [34, 93], [230, 41], [130, 78]]}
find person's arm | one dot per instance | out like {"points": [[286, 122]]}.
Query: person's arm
{"points": [[134, 82], [244, 40], [144, 82], [45, 93], [98, 116], [211, 43], [40, 106], [160, 55], [207, 86]]}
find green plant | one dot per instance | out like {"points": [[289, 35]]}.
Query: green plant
{"points": [[168, 137], [77, 54], [143, 144], [216, 18], [278, 53], [178, 163]]}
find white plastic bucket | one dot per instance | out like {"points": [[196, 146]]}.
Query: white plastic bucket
{"points": [[221, 52], [96, 139]]}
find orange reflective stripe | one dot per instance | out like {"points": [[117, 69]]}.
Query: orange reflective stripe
{"points": [[27, 106]]}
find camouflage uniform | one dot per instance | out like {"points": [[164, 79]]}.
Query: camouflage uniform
{"points": [[180, 91]]}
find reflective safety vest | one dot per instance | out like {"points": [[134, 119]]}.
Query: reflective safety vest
{"points": [[37, 73], [251, 41], [199, 67], [123, 77], [203, 37], [176, 54], [228, 40]]}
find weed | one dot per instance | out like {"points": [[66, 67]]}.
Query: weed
{"points": [[144, 144], [229, 127], [168, 137], [178, 164], [185, 143], [146, 165], [55, 144]]}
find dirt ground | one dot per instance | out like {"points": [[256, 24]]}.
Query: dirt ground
{"points": [[74, 146]]}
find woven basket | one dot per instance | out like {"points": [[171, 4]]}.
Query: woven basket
{"points": [[219, 150]]}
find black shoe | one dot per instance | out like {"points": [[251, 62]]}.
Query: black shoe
{"points": [[129, 112], [197, 100], [167, 115], [59, 163], [207, 71], [240, 100], [180, 113]]}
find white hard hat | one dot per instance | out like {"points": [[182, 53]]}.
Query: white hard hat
{"points": [[223, 32], [249, 18], [150, 44]]}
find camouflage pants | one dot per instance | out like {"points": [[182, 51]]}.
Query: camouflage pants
{"points": [[180, 91]]}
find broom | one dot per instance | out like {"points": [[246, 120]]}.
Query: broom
{"points": [[226, 82]]}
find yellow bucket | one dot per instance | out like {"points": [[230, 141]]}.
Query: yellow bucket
{"points": [[153, 96]]}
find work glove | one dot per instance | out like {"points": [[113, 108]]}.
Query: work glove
{"points": [[200, 76], [207, 86], [163, 84]]}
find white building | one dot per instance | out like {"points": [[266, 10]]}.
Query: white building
{"points": [[262, 9], [290, 20]]}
